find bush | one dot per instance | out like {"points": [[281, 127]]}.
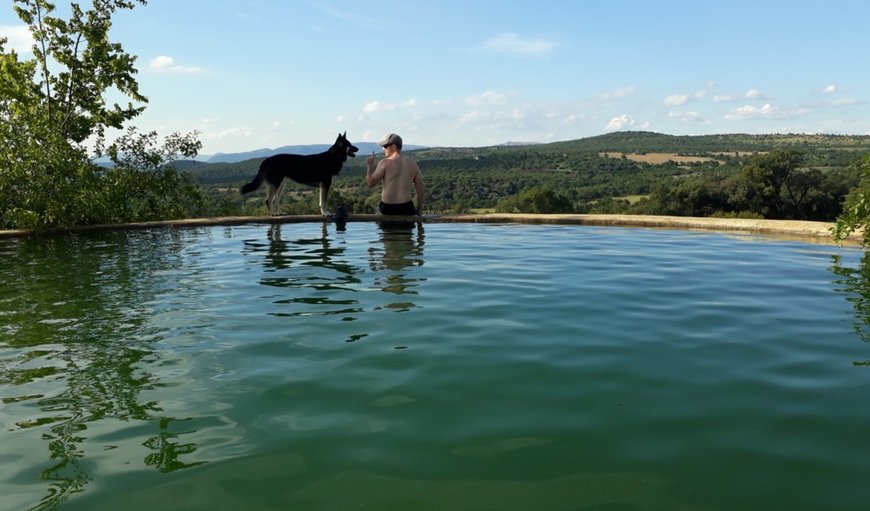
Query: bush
{"points": [[537, 199]]}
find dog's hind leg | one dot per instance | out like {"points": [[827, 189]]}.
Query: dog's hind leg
{"points": [[273, 198], [279, 194]]}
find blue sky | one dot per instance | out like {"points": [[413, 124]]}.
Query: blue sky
{"points": [[250, 74]]}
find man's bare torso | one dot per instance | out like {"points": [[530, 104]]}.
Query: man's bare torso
{"points": [[399, 173]]}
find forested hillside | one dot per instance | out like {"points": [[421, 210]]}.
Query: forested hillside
{"points": [[774, 176]]}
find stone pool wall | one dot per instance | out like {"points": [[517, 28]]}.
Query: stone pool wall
{"points": [[813, 232]]}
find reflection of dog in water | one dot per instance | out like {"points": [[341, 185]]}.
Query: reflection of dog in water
{"points": [[340, 217], [302, 253]]}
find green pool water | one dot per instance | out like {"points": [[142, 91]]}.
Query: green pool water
{"points": [[432, 367]]}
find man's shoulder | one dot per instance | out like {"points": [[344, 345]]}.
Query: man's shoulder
{"points": [[409, 161]]}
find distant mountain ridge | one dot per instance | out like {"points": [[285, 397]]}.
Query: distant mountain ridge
{"points": [[364, 149], [568, 154], [625, 141]]}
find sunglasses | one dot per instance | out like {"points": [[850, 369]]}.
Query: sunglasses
{"points": [[386, 146]]}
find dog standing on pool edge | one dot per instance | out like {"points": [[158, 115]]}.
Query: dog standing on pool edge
{"points": [[310, 169]]}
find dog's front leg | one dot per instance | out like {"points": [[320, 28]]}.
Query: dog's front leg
{"points": [[324, 192]]}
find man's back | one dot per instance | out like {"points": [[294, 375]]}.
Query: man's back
{"points": [[399, 174]]}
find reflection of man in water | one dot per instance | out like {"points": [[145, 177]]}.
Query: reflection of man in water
{"points": [[402, 251]]}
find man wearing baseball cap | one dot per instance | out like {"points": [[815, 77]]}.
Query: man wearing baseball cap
{"points": [[399, 174]]}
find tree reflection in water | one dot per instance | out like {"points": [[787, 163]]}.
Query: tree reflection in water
{"points": [[167, 449], [855, 285], [76, 346]]}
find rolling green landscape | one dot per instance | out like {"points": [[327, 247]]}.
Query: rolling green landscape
{"points": [[58, 168], [804, 177]]}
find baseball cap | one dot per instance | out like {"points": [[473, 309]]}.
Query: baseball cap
{"points": [[392, 138]]}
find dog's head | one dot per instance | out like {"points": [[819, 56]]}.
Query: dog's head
{"points": [[343, 146]]}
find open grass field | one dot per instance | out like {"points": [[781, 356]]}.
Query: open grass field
{"points": [[659, 158]]}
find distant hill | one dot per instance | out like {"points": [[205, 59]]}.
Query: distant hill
{"points": [[647, 141], [364, 148], [266, 152], [822, 150]]}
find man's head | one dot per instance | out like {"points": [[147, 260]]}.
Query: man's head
{"points": [[391, 139]]}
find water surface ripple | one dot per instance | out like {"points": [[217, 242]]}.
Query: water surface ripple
{"points": [[441, 366]]}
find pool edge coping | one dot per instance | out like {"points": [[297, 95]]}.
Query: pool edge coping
{"points": [[799, 230]]}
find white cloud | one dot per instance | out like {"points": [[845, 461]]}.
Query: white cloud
{"points": [[724, 98], [751, 112], [686, 117], [504, 119], [487, 98], [830, 89], [517, 114], [682, 99], [379, 106], [164, 64], [845, 102], [230, 132], [513, 44], [624, 121], [619, 93], [376, 106], [473, 117], [754, 94], [19, 37], [677, 100]]}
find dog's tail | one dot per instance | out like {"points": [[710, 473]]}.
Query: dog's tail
{"points": [[254, 184]]}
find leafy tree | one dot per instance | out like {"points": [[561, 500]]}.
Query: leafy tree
{"points": [[143, 184], [688, 197], [856, 211], [607, 206], [54, 106], [73, 98], [773, 185]]}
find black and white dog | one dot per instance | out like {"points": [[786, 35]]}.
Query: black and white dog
{"points": [[310, 169]]}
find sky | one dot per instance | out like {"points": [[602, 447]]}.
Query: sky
{"points": [[252, 74]]}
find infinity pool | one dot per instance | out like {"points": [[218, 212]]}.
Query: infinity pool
{"points": [[432, 367]]}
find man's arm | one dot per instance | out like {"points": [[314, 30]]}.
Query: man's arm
{"points": [[374, 176]]}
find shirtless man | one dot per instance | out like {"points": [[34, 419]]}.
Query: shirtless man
{"points": [[398, 174]]}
